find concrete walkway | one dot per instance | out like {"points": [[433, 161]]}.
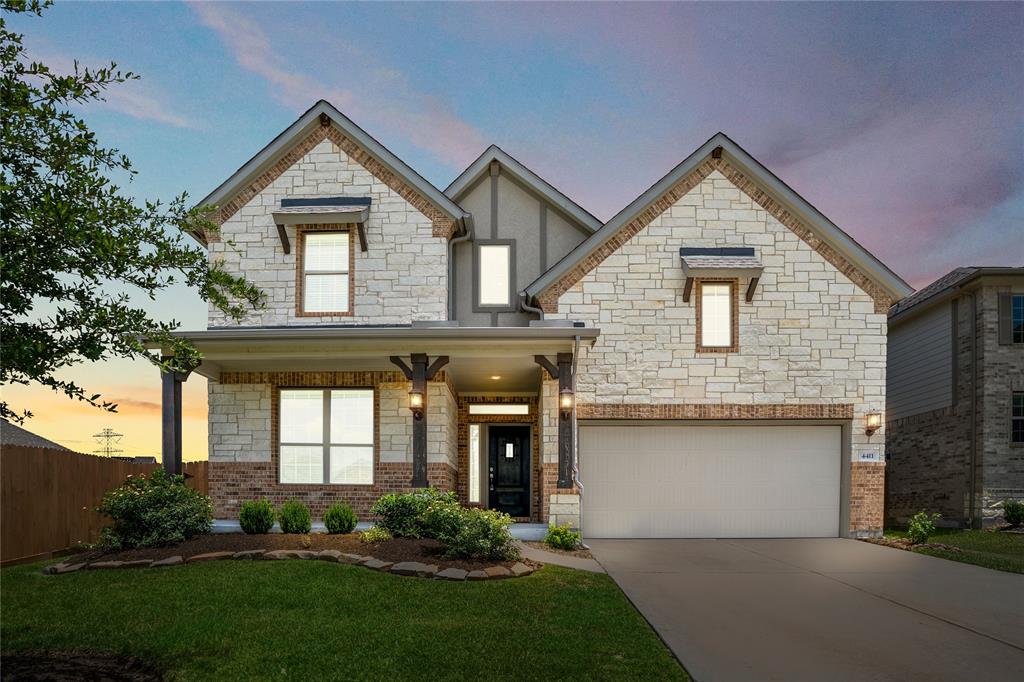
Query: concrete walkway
{"points": [[826, 609], [579, 563]]}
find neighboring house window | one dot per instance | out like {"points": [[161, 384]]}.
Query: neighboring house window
{"points": [[1017, 418], [326, 436], [494, 275], [1017, 324], [716, 316], [326, 273]]}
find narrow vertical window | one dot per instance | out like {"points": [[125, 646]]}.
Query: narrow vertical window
{"points": [[325, 276], [1017, 418], [474, 463], [1017, 319], [715, 321], [494, 275]]}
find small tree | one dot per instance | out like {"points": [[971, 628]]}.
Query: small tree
{"points": [[75, 243]]}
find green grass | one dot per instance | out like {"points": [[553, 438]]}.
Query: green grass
{"points": [[1000, 551], [236, 620]]}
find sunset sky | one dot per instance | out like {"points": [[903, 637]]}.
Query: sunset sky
{"points": [[904, 123]]}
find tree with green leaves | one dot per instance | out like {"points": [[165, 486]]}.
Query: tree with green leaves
{"points": [[75, 250]]}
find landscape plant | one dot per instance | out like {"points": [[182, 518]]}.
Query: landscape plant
{"points": [[1013, 512], [921, 527], [405, 515], [256, 517], [340, 518], [562, 537], [482, 534], [374, 535], [148, 511], [294, 517]]}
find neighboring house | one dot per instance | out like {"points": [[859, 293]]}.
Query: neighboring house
{"points": [[11, 434], [955, 414], [728, 344]]}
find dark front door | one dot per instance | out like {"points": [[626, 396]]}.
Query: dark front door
{"points": [[509, 469]]}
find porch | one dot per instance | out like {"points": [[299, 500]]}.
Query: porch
{"points": [[347, 414]]}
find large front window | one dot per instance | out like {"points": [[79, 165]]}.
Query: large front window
{"points": [[325, 272], [327, 436]]}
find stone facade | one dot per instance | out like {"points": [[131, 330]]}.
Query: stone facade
{"points": [[810, 337], [403, 275], [244, 439], [930, 453]]}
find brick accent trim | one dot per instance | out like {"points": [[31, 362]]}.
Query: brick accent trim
{"points": [[300, 265], [713, 411], [548, 299], [443, 225], [734, 315]]}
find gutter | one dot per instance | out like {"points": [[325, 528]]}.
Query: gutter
{"points": [[523, 298], [575, 434], [467, 235]]}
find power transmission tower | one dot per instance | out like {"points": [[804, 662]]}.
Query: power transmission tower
{"points": [[108, 439]]}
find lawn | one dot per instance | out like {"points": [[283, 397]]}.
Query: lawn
{"points": [[318, 620], [1001, 551]]}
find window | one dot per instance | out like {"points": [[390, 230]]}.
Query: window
{"points": [[1017, 418], [494, 275], [326, 436], [326, 287], [474, 463], [499, 408], [715, 316], [1017, 319]]}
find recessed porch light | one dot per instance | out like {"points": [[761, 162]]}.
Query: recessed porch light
{"points": [[495, 377]]}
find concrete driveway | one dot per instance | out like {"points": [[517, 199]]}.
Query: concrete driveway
{"points": [[826, 609]]}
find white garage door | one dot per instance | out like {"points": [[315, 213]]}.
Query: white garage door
{"points": [[657, 481]]}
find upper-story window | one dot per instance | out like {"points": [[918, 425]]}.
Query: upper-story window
{"points": [[1017, 323], [716, 316], [494, 275], [326, 273], [1017, 418]]}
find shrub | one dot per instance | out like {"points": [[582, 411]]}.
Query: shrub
{"points": [[482, 534], [922, 525], [375, 534], [256, 517], [404, 515], [154, 510], [340, 519], [562, 537], [294, 517], [1013, 512]]}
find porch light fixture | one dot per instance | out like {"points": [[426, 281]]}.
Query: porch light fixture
{"points": [[872, 422], [566, 400], [416, 404]]}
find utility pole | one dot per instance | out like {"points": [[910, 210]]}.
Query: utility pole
{"points": [[108, 440]]}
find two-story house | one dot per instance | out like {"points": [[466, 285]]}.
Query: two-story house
{"points": [[955, 415], [708, 363]]}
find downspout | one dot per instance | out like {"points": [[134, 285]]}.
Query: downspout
{"points": [[575, 432], [466, 235], [973, 476], [530, 309]]}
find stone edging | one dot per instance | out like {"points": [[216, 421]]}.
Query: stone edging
{"points": [[408, 568]]}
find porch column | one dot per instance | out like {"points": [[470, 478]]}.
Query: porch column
{"points": [[563, 372], [419, 374], [170, 452]]}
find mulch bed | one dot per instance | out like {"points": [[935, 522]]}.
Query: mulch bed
{"points": [[395, 550], [72, 666], [904, 543], [579, 553]]}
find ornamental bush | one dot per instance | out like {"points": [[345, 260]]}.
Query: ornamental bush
{"points": [[562, 537], [419, 514], [294, 517], [1013, 512], [922, 525], [154, 510], [482, 534], [256, 517], [375, 534], [340, 518]]}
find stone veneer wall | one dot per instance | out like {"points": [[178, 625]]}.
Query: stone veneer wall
{"points": [[810, 336], [403, 276], [243, 439]]}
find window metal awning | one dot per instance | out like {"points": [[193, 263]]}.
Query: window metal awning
{"points": [[739, 263], [317, 210]]}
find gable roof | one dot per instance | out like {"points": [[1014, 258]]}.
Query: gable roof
{"points": [[468, 178], [721, 153], [951, 280], [261, 166], [11, 434]]}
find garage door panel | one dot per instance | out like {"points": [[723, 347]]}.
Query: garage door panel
{"points": [[710, 481]]}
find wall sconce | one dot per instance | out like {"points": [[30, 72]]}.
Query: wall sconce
{"points": [[872, 422], [416, 403], [566, 400]]}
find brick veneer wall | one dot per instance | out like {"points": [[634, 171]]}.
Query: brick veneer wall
{"points": [[867, 498], [244, 453]]}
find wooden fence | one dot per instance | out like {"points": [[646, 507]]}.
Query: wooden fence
{"points": [[48, 498]]}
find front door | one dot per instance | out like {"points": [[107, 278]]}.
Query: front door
{"points": [[509, 469]]}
